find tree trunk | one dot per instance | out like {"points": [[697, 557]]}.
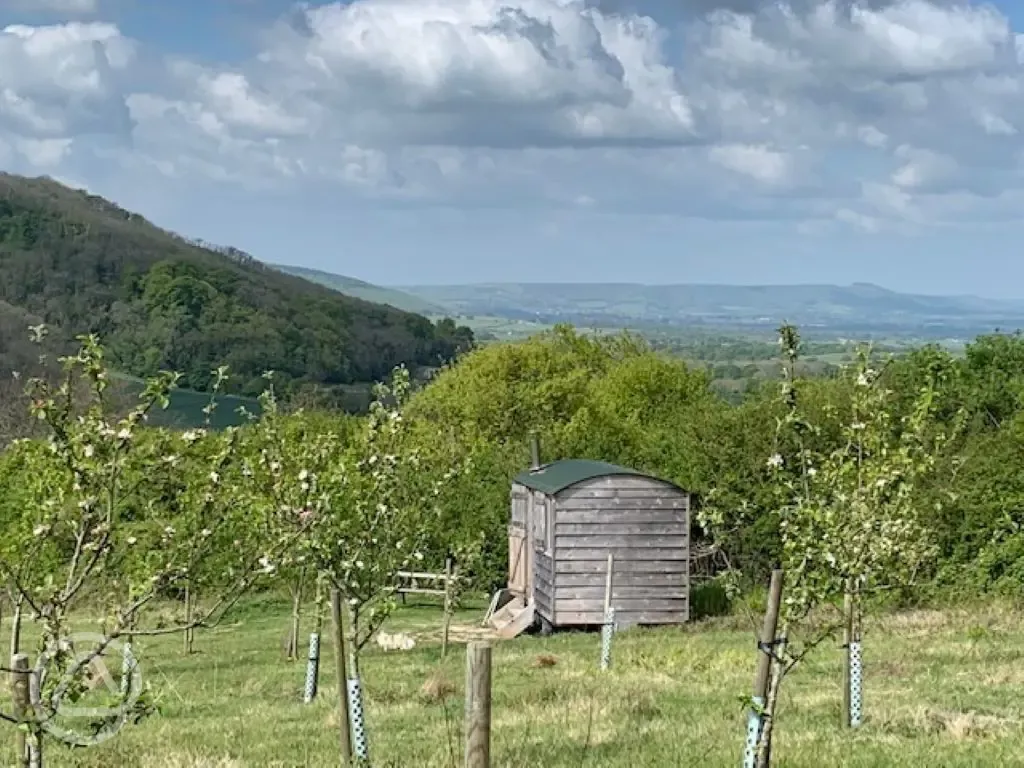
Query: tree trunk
{"points": [[318, 617], [35, 749], [35, 739], [21, 698], [16, 626], [360, 748], [764, 752], [293, 633]]}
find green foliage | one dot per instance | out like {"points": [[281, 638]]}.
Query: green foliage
{"points": [[854, 515], [110, 514], [504, 391], [83, 265]]}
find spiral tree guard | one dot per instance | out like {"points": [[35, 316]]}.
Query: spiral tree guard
{"points": [[355, 707], [312, 668], [754, 721], [606, 638], [856, 685]]}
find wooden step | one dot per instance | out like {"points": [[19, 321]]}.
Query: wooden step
{"points": [[511, 621]]}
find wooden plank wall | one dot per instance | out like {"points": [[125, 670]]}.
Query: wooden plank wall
{"points": [[543, 564], [544, 585], [645, 525]]}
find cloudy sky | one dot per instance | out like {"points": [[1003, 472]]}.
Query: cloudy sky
{"points": [[434, 141]]}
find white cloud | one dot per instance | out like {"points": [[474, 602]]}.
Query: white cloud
{"points": [[757, 162], [44, 153], [63, 80], [848, 113]]}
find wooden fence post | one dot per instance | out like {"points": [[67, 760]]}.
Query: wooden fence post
{"points": [[188, 637], [765, 659], [22, 704], [339, 659], [448, 573], [608, 630], [478, 705], [847, 640]]}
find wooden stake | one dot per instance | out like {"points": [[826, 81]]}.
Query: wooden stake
{"points": [[764, 747], [609, 619], [345, 734], [762, 676], [22, 704], [448, 573], [768, 630], [608, 584], [844, 715], [478, 705], [187, 638]]}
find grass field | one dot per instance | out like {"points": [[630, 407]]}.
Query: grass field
{"points": [[942, 689]]}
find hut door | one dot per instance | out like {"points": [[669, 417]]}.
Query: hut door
{"points": [[518, 551]]}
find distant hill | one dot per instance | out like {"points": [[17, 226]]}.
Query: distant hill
{"points": [[366, 291], [854, 308], [83, 264]]}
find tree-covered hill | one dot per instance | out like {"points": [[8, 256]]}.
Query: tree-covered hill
{"points": [[82, 264]]}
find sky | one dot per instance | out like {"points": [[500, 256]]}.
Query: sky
{"points": [[454, 141]]}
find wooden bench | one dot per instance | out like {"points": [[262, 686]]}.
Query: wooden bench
{"points": [[424, 583]]}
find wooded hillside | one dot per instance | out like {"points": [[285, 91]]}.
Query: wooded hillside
{"points": [[82, 264]]}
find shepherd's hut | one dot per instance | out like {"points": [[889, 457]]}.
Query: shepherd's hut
{"points": [[567, 517]]}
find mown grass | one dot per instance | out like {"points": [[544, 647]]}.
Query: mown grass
{"points": [[942, 689]]}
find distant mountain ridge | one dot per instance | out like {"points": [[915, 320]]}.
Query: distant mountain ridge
{"points": [[856, 307], [359, 289]]}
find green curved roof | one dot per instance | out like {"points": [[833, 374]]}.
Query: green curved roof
{"points": [[558, 475]]}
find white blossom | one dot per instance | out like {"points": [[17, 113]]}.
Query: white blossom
{"points": [[192, 435]]}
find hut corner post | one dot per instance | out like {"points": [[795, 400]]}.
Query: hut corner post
{"points": [[766, 649]]}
